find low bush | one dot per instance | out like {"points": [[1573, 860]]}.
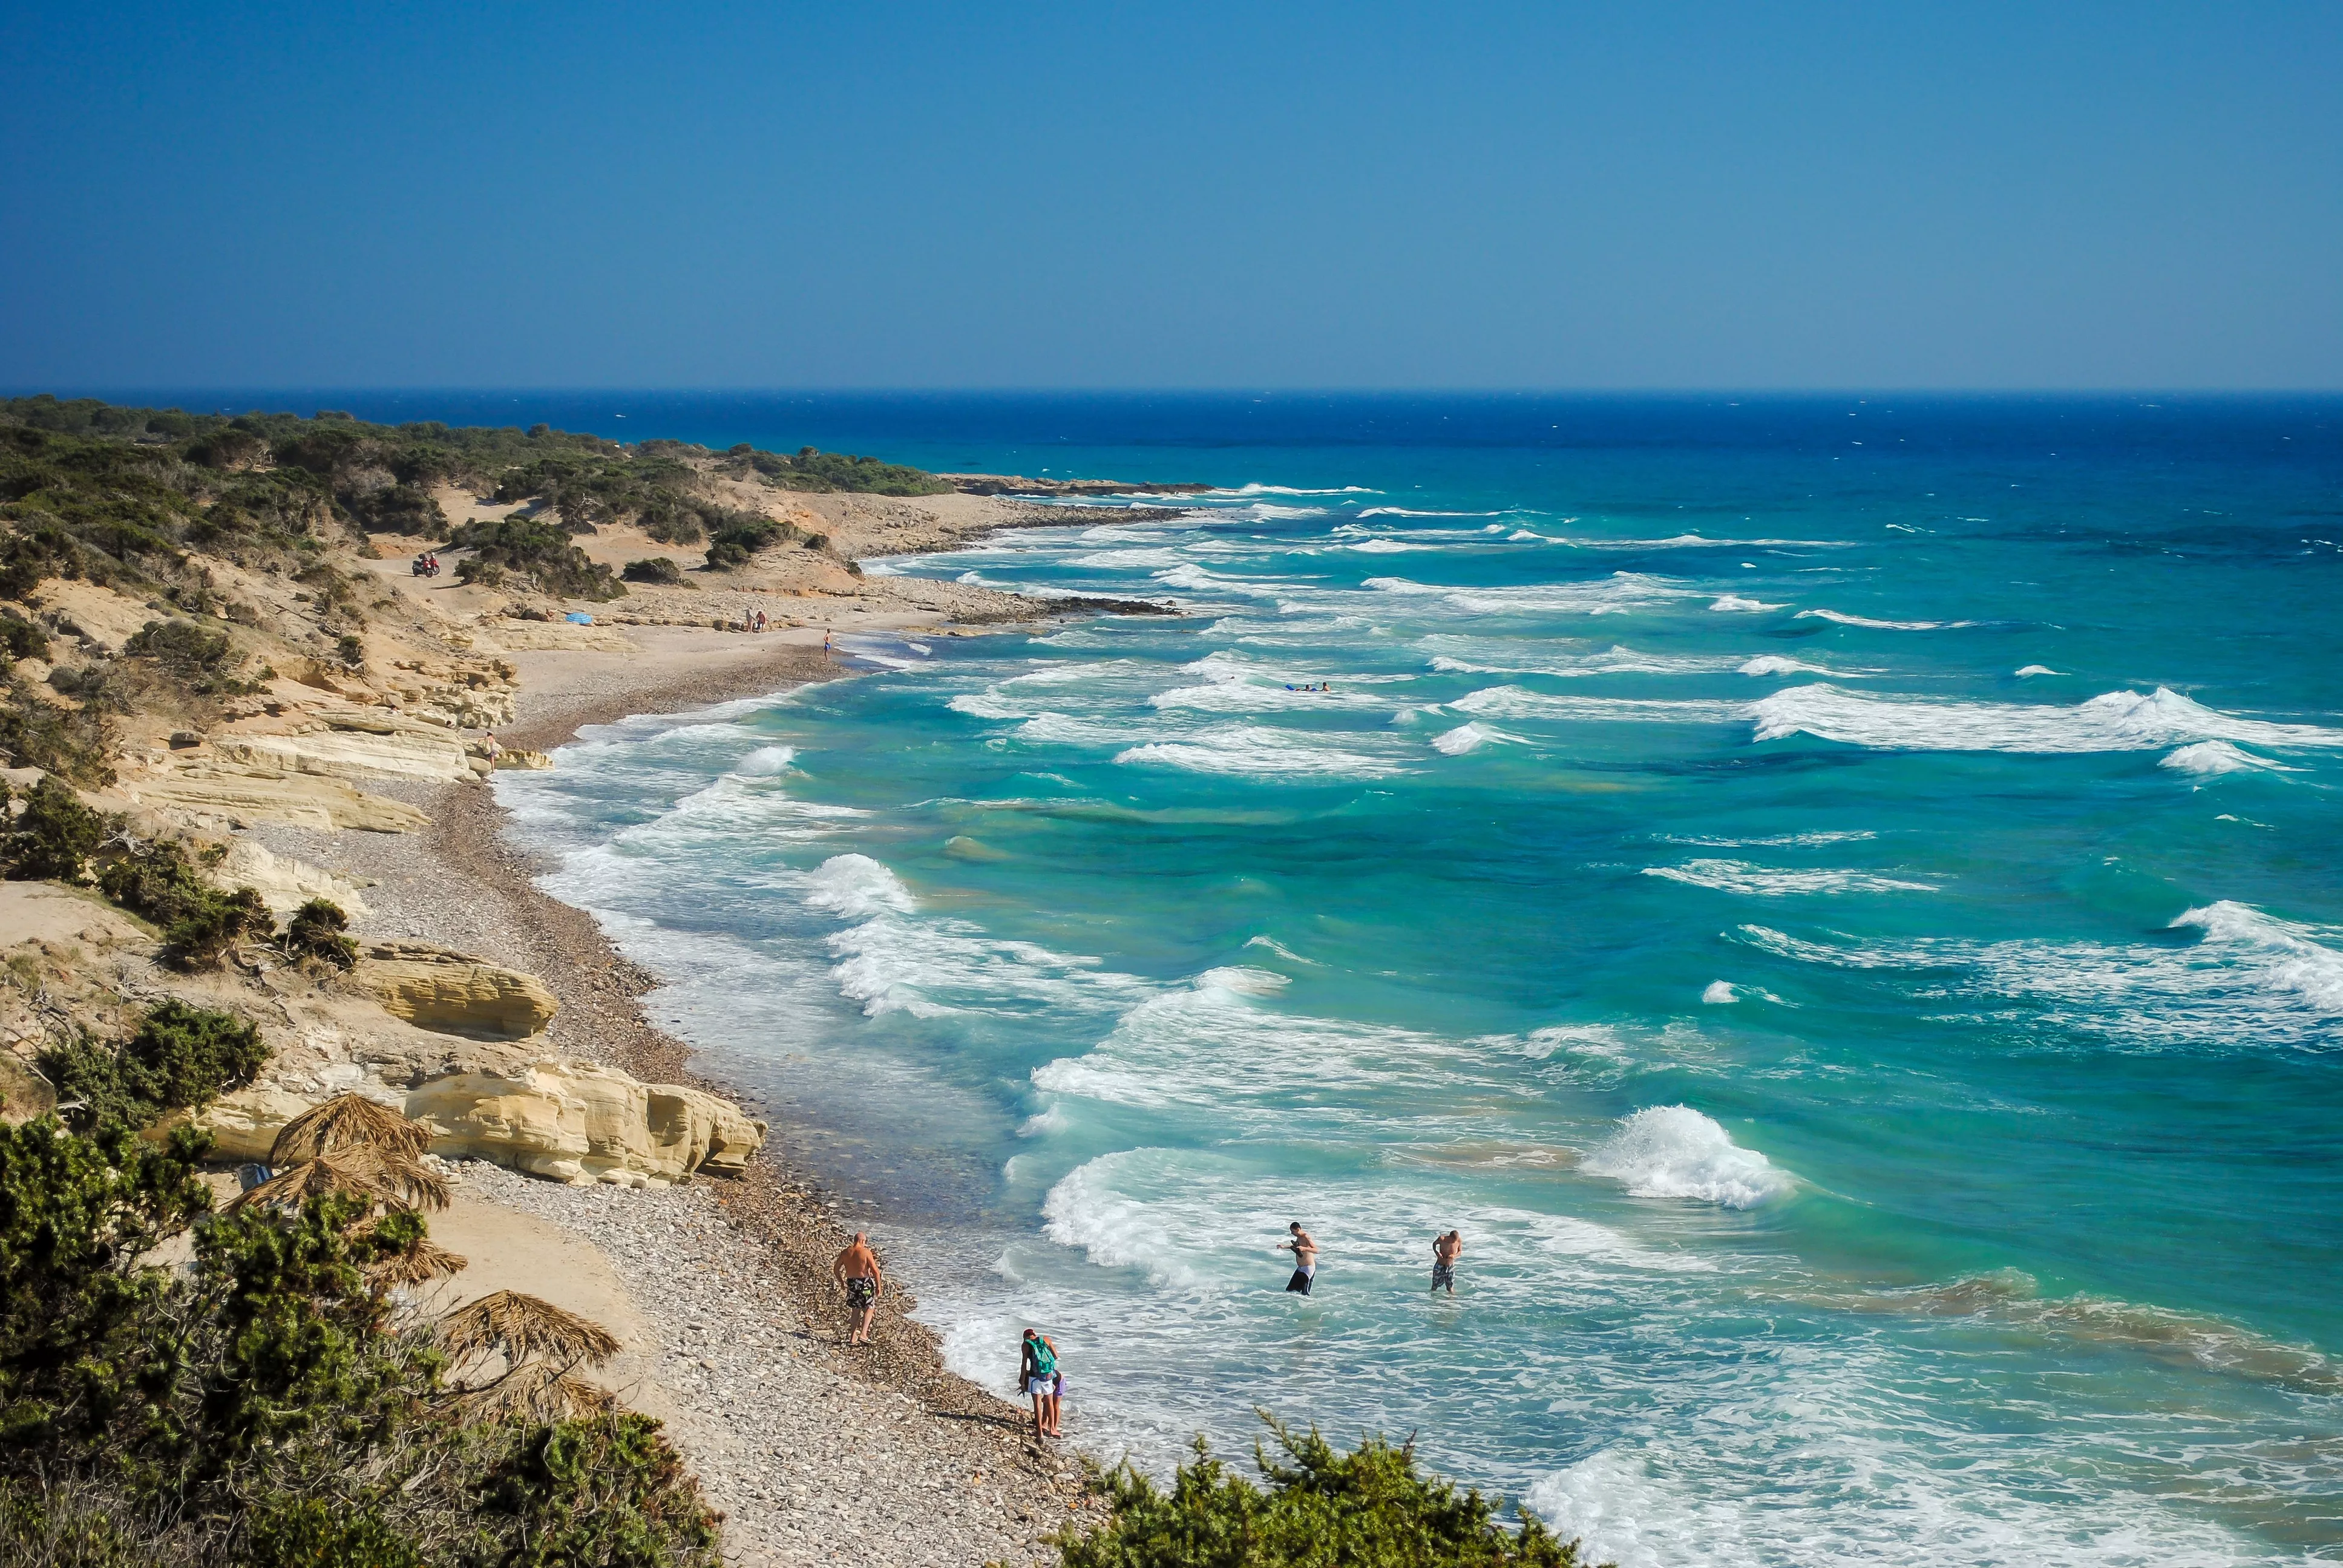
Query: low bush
{"points": [[53, 837], [182, 1058], [316, 931], [202, 925], [743, 536], [156, 880], [658, 569], [216, 929], [75, 744], [541, 550], [265, 1409], [1370, 1508], [20, 638]]}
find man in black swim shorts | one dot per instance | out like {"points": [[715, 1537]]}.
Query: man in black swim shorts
{"points": [[858, 1270]]}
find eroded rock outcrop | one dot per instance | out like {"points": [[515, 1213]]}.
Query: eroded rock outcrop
{"points": [[454, 993], [579, 1121]]}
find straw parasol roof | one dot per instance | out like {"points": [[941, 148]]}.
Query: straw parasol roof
{"points": [[345, 1122], [419, 1264], [523, 1328], [358, 1171]]}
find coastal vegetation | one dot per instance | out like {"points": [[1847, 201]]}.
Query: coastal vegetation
{"points": [[137, 498], [1369, 1508], [281, 1400]]}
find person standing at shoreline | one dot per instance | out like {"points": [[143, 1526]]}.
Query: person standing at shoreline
{"points": [[1038, 1376], [1445, 1250], [1305, 1258], [858, 1270]]}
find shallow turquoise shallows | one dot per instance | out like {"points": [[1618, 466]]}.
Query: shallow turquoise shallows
{"points": [[1837, 901]]}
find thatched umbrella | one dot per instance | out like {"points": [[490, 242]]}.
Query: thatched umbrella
{"points": [[360, 1171], [523, 1328], [539, 1392], [347, 1121], [418, 1265]]}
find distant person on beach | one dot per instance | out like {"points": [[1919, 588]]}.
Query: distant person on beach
{"points": [[825, 642], [858, 1270], [1445, 1249], [1305, 1258], [1038, 1377]]}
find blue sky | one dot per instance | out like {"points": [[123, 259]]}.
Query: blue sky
{"points": [[1263, 195]]}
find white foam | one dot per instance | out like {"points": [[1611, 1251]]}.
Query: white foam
{"points": [[1619, 594], [1244, 696], [1719, 994], [1476, 656], [1086, 1211], [1243, 980], [1289, 490], [2034, 669], [1467, 738], [858, 888], [1768, 882], [1863, 620], [1781, 664], [2284, 956], [765, 762], [2253, 981], [1149, 560], [1854, 1499], [1675, 1151], [2212, 758], [1387, 547], [2112, 721], [1261, 751], [1772, 841], [1514, 702], [1733, 603]]}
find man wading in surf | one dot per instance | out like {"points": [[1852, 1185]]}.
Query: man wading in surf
{"points": [[858, 1270], [1305, 1258]]}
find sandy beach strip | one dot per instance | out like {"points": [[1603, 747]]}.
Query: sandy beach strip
{"points": [[814, 1452]]}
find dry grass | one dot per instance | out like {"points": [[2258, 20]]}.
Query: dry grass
{"points": [[348, 1121], [524, 1328]]}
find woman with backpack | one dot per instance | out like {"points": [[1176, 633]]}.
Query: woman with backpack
{"points": [[1038, 1376]]}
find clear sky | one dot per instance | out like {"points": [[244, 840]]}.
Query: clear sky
{"points": [[1263, 194]]}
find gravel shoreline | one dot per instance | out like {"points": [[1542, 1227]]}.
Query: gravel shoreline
{"points": [[815, 1452]]}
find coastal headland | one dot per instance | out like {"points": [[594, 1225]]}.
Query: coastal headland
{"points": [[272, 680]]}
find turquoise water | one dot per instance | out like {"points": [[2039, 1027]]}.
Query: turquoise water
{"points": [[1837, 901]]}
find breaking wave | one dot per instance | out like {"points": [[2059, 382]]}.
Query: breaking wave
{"points": [[1675, 1151]]}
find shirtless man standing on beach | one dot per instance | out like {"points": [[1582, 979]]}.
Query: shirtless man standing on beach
{"points": [[1445, 1250], [1305, 1258], [858, 1270]]}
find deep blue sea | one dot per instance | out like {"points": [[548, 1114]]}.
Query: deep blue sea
{"points": [[1837, 899]]}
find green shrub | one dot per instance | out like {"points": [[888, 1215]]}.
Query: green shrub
{"points": [[183, 1057], [316, 931], [20, 638], [54, 836], [541, 550], [658, 569], [207, 933], [38, 733], [1366, 1509], [204, 662], [264, 1410], [156, 880]]}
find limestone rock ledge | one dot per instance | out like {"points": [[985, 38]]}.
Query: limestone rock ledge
{"points": [[579, 1121], [436, 989], [563, 1118]]}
